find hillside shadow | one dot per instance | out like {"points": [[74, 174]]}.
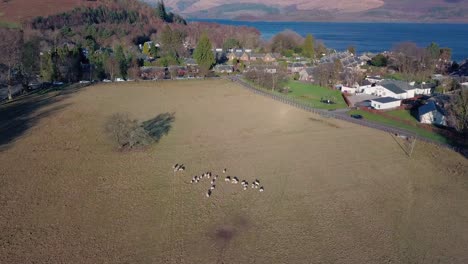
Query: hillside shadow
{"points": [[159, 126], [20, 115]]}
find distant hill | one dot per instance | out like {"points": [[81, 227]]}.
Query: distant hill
{"points": [[324, 10], [18, 11]]}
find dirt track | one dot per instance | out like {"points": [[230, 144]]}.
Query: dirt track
{"points": [[334, 192]]}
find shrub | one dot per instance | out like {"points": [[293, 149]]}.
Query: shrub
{"points": [[126, 132]]}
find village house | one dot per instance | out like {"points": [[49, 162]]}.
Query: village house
{"points": [[385, 103], [307, 74], [391, 88], [431, 113], [245, 57], [423, 88], [220, 68], [269, 57], [153, 73], [190, 62], [264, 68], [295, 67], [374, 79], [348, 90]]}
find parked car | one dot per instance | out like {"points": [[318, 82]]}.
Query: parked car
{"points": [[357, 116], [84, 81], [119, 80], [106, 81]]}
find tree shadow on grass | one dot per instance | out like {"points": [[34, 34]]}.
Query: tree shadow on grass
{"points": [[159, 126], [18, 116]]}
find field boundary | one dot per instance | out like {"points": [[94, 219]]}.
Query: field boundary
{"points": [[342, 116]]}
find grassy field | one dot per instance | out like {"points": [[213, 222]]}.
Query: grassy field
{"points": [[335, 192], [312, 94], [5, 24], [404, 115]]}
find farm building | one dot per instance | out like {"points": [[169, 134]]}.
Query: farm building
{"points": [[384, 103], [431, 113]]}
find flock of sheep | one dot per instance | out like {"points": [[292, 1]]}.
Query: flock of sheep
{"points": [[228, 179]]}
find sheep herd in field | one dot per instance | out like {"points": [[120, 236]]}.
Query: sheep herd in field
{"points": [[213, 177]]}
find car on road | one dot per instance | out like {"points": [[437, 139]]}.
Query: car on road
{"points": [[357, 116]]}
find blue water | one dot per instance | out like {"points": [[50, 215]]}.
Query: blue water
{"points": [[370, 37]]}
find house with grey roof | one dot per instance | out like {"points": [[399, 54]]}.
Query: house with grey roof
{"points": [[431, 113], [220, 68], [307, 74], [385, 103], [389, 88]]}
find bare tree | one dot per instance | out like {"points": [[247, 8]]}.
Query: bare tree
{"points": [[110, 65], [459, 111], [351, 76], [11, 42]]}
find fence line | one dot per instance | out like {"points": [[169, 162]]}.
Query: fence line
{"points": [[344, 117]]}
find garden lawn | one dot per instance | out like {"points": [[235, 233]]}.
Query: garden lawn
{"points": [[383, 120], [312, 94], [403, 114]]}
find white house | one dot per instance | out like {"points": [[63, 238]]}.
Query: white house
{"points": [[431, 113], [389, 88], [464, 85], [220, 68], [384, 103], [395, 89], [374, 79], [348, 90], [423, 89]]}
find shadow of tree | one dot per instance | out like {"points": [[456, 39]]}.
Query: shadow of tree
{"points": [[159, 126], [18, 116]]}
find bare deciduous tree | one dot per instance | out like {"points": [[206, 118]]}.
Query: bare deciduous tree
{"points": [[11, 42], [459, 111]]}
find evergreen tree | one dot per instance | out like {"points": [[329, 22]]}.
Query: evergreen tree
{"points": [[308, 47], [161, 11], [146, 48], [434, 50], [48, 67], [122, 61], [153, 51], [203, 54]]}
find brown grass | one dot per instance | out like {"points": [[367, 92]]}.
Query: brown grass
{"points": [[343, 194]]}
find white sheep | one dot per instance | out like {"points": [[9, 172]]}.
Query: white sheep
{"points": [[208, 193], [175, 165], [224, 171], [212, 187], [212, 181], [235, 180], [245, 187], [228, 179], [253, 185], [261, 189]]}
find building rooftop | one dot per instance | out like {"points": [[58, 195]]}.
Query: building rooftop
{"points": [[385, 100], [429, 107]]}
